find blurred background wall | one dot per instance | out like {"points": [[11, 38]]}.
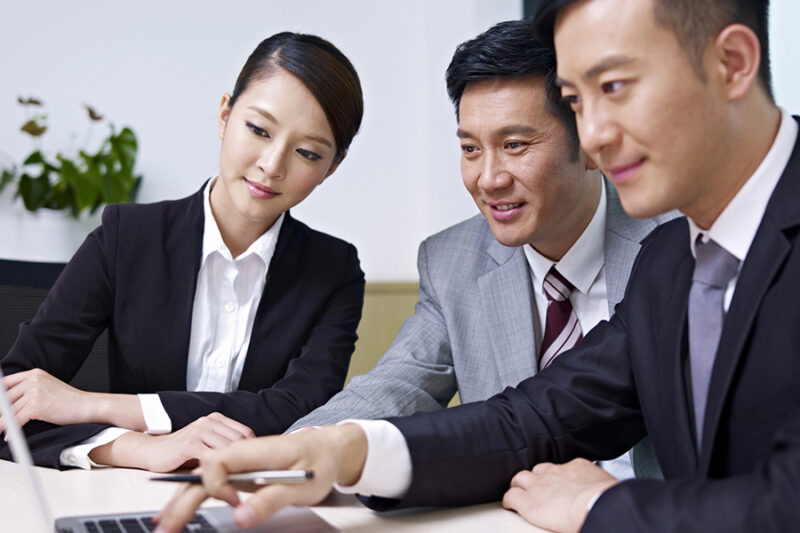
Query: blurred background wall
{"points": [[161, 68]]}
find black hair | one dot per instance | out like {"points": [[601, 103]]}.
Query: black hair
{"points": [[694, 22], [510, 50], [322, 68]]}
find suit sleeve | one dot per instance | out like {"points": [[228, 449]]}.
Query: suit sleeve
{"points": [[583, 405], [313, 375], [764, 499], [415, 374], [61, 334]]}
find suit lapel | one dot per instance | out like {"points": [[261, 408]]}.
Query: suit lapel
{"points": [[764, 260], [282, 262], [620, 254], [187, 233], [509, 315], [675, 409]]}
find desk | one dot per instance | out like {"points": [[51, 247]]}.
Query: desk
{"points": [[114, 490]]}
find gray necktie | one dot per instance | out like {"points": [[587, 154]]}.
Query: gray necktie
{"points": [[713, 269]]}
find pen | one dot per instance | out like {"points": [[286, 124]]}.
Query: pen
{"points": [[256, 478]]}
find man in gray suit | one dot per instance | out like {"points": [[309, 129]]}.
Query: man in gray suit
{"points": [[482, 314]]}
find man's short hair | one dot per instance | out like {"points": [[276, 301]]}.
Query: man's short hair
{"points": [[694, 23], [510, 50]]}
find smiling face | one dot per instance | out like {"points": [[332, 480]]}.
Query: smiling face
{"points": [[516, 165], [277, 146], [644, 115]]}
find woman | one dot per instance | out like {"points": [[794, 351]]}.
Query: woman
{"points": [[234, 317]]}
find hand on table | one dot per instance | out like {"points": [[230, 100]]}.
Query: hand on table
{"points": [[165, 453], [557, 497], [334, 454], [36, 395]]}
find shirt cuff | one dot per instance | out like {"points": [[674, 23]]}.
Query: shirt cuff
{"points": [[78, 455], [387, 469], [155, 416], [621, 467], [593, 501]]}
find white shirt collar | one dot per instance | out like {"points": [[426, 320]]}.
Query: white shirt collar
{"points": [[583, 261], [262, 247], [735, 228]]}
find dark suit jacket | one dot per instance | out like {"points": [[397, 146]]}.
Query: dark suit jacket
{"points": [[136, 276], [629, 375]]}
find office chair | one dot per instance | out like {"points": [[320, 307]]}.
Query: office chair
{"points": [[23, 287]]}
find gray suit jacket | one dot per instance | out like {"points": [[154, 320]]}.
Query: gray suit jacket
{"points": [[473, 327]]}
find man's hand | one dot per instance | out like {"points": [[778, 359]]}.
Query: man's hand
{"points": [[36, 395], [165, 453], [557, 497], [333, 453]]}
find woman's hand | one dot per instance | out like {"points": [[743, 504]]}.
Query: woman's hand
{"points": [[333, 453], [165, 453], [36, 395]]}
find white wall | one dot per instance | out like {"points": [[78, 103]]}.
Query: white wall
{"points": [[161, 67], [785, 44]]}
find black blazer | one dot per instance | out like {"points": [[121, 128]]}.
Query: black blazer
{"points": [[136, 276], [628, 377]]}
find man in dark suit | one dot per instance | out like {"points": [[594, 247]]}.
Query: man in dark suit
{"points": [[673, 101]]}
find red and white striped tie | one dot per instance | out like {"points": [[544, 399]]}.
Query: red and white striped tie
{"points": [[562, 330]]}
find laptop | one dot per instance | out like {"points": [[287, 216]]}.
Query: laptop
{"points": [[207, 520]]}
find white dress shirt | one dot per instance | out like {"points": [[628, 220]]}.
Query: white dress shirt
{"points": [[734, 230], [226, 299], [582, 266]]}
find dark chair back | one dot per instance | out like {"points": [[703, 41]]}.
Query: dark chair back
{"points": [[23, 287]]}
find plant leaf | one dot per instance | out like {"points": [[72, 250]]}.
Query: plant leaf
{"points": [[29, 101], [33, 191], [93, 115], [56, 197], [117, 187], [90, 162], [85, 186], [84, 182], [137, 181], [35, 158], [33, 128], [124, 147], [7, 176]]}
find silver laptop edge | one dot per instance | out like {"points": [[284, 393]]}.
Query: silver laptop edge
{"points": [[289, 519], [22, 456]]}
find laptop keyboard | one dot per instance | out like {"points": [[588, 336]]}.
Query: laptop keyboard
{"points": [[143, 524]]}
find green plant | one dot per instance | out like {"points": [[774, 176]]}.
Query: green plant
{"points": [[83, 181]]}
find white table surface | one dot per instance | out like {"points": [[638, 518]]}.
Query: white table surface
{"points": [[113, 490]]}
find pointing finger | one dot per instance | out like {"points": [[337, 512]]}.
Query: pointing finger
{"points": [[181, 508]]}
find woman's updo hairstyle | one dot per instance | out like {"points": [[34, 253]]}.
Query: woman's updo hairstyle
{"points": [[322, 68]]}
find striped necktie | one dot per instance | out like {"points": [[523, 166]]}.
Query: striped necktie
{"points": [[562, 330]]}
